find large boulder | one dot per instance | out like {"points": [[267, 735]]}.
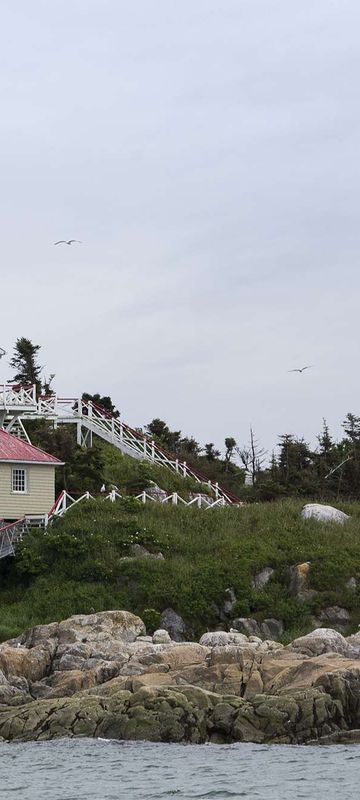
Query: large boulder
{"points": [[322, 640], [268, 629], [246, 626], [119, 625], [335, 616], [173, 624], [323, 513], [272, 628]]}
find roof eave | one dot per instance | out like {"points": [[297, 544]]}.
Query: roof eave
{"points": [[38, 463]]}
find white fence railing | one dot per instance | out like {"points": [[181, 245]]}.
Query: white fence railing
{"points": [[93, 419], [9, 535], [65, 501], [14, 532]]}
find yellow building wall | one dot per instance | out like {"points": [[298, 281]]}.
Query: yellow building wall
{"points": [[40, 495]]}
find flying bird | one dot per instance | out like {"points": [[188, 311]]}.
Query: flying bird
{"points": [[68, 241], [302, 368]]}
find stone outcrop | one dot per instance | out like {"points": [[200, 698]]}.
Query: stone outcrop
{"points": [[173, 624], [262, 578], [100, 675], [323, 513], [299, 582], [268, 629]]}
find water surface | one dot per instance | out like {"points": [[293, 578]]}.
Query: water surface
{"points": [[88, 769]]}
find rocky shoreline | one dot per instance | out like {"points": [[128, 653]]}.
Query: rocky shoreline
{"points": [[101, 676]]}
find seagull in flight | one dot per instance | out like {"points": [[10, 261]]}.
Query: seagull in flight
{"points": [[68, 241], [302, 368]]}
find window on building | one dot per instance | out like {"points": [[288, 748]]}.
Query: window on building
{"points": [[19, 483]]}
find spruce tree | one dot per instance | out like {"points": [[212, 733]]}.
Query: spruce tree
{"points": [[24, 361]]}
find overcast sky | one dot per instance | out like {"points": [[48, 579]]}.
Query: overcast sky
{"points": [[207, 154]]}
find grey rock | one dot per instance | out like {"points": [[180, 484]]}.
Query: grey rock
{"points": [[223, 639], [39, 690], [138, 551], [156, 492], [323, 513], [269, 629], [161, 636], [351, 584], [272, 628], [299, 582], [247, 626], [335, 616], [173, 624], [230, 601], [323, 640], [262, 578], [3, 681]]}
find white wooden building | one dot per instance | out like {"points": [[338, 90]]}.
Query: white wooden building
{"points": [[27, 479]]}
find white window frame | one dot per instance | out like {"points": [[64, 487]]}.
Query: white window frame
{"points": [[19, 478]]}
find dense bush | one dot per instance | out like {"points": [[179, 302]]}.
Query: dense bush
{"points": [[83, 563]]}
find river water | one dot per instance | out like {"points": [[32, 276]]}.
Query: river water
{"points": [[87, 769]]}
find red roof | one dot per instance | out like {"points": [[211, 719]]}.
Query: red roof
{"points": [[14, 449]]}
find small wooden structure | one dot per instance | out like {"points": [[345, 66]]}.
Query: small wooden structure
{"points": [[27, 479]]}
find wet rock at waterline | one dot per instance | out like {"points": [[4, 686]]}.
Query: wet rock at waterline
{"points": [[100, 675]]}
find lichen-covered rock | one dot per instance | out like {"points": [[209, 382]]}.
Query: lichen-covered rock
{"points": [[222, 638], [322, 640], [161, 636], [229, 687]]}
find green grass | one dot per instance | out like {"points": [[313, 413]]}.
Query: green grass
{"points": [[77, 566]]}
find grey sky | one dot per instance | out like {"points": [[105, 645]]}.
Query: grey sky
{"points": [[207, 152]]}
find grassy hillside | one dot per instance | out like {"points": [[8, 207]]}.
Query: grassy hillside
{"points": [[80, 564]]}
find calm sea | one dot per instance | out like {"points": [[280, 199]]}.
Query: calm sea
{"points": [[87, 769]]}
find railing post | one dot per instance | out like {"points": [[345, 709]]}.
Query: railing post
{"points": [[175, 499], [176, 465], [217, 490], [121, 432], [143, 497], [144, 445], [112, 496], [184, 469], [199, 501], [153, 450], [90, 408]]}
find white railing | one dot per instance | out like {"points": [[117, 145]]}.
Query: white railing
{"points": [[9, 535], [96, 420], [65, 501], [14, 532], [12, 396]]}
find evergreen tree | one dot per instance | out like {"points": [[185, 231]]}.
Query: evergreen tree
{"points": [[104, 401], [24, 361], [211, 454], [230, 444]]}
